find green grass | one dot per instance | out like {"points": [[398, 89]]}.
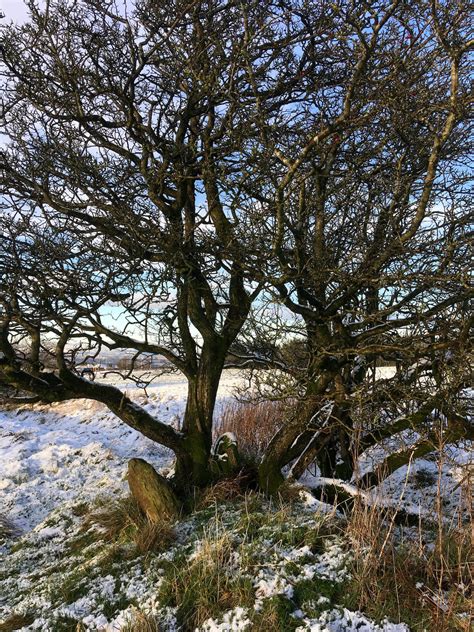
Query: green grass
{"points": [[275, 615], [205, 586], [231, 542], [67, 624], [72, 587]]}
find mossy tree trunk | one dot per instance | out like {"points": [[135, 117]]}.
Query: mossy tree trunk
{"points": [[193, 465]]}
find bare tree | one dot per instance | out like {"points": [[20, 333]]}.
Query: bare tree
{"points": [[168, 165], [120, 137], [366, 216]]}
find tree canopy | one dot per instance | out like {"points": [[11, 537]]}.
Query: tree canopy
{"points": [[166, 170]]}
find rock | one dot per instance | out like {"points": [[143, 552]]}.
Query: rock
{"points": [[226, 453], [152, 492]]}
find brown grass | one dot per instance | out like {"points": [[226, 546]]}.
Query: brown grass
{"points": [[224, 490], [142, 622], [253, 425], [123, 521], [16, 622], [8, 529], [427, 586]]}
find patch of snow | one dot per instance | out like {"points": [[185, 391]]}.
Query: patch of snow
{"points": [[347, 621], [235, 620]]}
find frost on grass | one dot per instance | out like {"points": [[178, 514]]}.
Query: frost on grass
{"points": [[276, 568], [346, 621], [270, 556]]}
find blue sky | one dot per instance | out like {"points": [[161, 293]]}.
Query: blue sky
{"points": [[14, 10]]}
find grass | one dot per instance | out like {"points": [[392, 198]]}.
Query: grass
{"points": [[73, 586], [142, 622], [219, 575], [225, 490], [123, 522], [68, 624], [386, 574], [209, 582], [424, 582], [16, 622], [8, 529], [275, 615], [253, 424]]}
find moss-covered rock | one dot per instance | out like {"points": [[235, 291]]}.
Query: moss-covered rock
{"points": [[152, 492]]}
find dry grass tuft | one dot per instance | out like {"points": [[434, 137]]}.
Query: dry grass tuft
{"points": [[226, 489], [16, 622], [427, 585], [8, 529], [142, 622], [253, 425], [123, 521]]}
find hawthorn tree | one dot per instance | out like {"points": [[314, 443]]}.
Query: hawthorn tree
{"points": [[168, 163], [367, 187], [121, 135]]}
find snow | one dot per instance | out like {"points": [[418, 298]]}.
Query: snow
{"points": [[53, 458], [347, 621], [234, 620], [78, 449]]}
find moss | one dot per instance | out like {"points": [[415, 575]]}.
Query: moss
{"points": [[270, 477], [307, 593]]}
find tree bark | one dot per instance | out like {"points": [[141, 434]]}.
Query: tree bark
{"points": [[193, 464], [284, 441]]}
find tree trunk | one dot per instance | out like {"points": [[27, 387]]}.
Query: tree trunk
{"points": [[193, 467], [275, 457], [285, 440]]}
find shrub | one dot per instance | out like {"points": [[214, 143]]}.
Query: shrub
{"points": [[253, 424]]}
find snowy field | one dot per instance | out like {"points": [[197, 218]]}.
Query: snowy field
{"points": [[75, 450], [55, 458]]}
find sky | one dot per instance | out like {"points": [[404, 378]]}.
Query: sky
{"points": [[14, 10]]}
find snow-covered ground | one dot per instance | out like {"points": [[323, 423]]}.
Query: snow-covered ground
{"points": [[78, 449], [53, 458]]}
